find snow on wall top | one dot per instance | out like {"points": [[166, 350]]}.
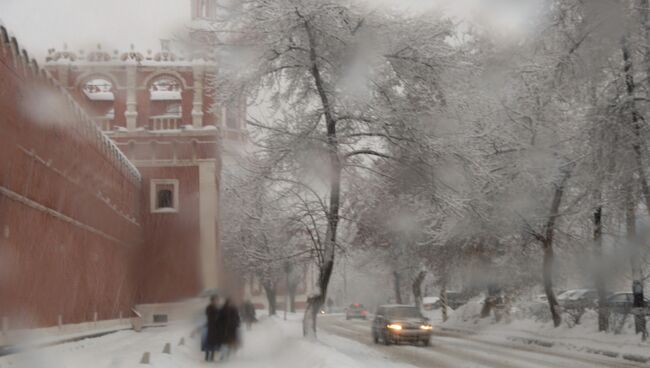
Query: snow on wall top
{"points": [[100, 56], [29, 69]]}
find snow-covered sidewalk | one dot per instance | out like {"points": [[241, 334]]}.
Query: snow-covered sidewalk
{"points": [[271, 343]]}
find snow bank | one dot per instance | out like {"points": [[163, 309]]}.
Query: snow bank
{"points": [[520, 326]]}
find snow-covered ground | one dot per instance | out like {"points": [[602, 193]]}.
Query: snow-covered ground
{"points": [[271, 343], [581, 337], [275, 343]]}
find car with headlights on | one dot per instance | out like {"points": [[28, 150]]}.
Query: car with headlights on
{"points": [[395, 324]]}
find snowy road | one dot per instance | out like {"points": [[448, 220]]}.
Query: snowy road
{"points": [[451, 350], [274, 343]]}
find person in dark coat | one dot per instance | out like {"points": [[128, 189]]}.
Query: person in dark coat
{"points": [[213, 338], [228, 322]]}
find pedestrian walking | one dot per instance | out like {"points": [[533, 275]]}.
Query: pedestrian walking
{"points": [[211, 339], [228, 323]]}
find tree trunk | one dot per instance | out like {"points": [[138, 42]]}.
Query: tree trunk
{"points": [[631, 204], [292, 298], [636, 120], [397, 283], [548, 285], [547, 247], [269, 290], [603, 311], [644, 9], [417, 288], [635, 265], [488, 304], [314, 303], [443, 300]]}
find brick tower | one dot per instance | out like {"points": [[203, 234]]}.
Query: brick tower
{"points": [[158, 111]]}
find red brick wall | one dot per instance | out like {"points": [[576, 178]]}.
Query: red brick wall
{"points": [[70, 230], [170, 263]]}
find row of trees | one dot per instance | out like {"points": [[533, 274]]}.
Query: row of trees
{"points": [[438, 148]]}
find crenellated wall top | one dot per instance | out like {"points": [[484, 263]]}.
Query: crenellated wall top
{"points": [[132, 56], [29, 70]]}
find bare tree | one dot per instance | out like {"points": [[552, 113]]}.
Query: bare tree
{"points": [[299, 59]]}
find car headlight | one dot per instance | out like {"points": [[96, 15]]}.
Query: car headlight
{"points": [[426, 327], [395, 327]]}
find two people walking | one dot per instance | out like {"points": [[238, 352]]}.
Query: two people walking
{"points": [[222, 329]]}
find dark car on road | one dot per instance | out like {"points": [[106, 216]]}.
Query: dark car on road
{"points": [[356, 310], [394, 324]]}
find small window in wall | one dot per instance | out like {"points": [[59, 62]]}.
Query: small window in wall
{"points": [[164, 195], [165, 198]]}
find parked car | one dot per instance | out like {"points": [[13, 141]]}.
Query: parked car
{"points": [[622, 302], [430, 303], [356, 310], [578, 298], [394, 324], [456, 299]]}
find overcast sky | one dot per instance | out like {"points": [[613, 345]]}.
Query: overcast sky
{"points": [[42, 24]]}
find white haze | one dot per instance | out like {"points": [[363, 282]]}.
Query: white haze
{"points": [[116, 24]]}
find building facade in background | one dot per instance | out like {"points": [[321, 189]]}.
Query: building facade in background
{"points": [[109, 182]]}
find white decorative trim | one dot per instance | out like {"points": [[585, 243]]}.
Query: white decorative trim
{"points": [[131, 112], [209, 217], [173, 163], [153, 192], [197, 100]]}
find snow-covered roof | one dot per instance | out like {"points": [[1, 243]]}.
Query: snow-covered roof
{"points": [[430, 300]]}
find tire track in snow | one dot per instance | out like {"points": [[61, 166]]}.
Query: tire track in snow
{"points": [[403, 356], [438, 353]]}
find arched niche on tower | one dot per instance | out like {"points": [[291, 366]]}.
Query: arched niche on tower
{"points": [[98, 93], [167, 101]]}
